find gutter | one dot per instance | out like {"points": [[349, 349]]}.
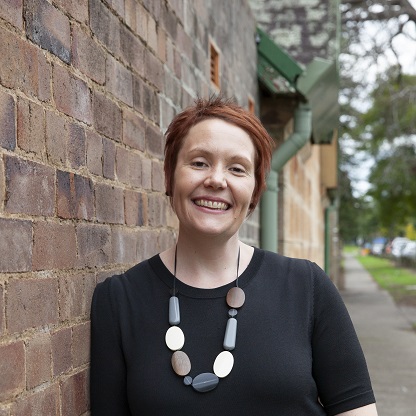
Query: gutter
{"points": [[302, 130]]}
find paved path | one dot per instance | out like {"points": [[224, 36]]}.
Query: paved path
{"points": [[387, 338]]}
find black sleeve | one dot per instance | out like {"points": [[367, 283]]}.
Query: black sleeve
{"points": [[339, 366], [108, 391]]}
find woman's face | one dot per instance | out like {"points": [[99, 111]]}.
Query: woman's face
{"points": [[214, 178]]}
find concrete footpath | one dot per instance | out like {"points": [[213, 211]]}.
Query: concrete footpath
{"points": [[387, 338]]}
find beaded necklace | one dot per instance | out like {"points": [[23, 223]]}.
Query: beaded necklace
{"points": [[175, 339]]}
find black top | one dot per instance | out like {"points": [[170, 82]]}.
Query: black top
{"points": [[296, 347]]}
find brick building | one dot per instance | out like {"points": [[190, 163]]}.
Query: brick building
{"points": [[87, 89]]}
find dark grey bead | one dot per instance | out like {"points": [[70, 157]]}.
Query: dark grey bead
{"points": [[205, 382], [230, 334], [174, 312]]}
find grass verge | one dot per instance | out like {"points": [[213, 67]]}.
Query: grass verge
{"points": [[400, 282]]}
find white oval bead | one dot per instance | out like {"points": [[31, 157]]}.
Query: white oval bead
{"points": [[223, 364], [174, 338]]}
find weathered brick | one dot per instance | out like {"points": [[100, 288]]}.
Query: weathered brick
{"points": [[2, 184], [74, 394], [133, 130], [31, 303], [146, 173], [30, 127], [38, 361], [78, 9], [2, 309], [54, 246], [161, 45], [132, 50], [167, 112], [12, 11], [118, 6], [81, 344], [109, 158], [94, 153], [87, 55], [135, 208], [150, 102], [146, 244], [61, 351], [109, 204], [154, 141], [119, 81], [154, 70], [7, 121], [128, 167], [107, 117], [169, 21], [72, 95], [71, 298], [89, 286], [177, 63], [57, 137], [154, 8], [158, 176], [42, 402], [151, 33], [157, 210], [30, 187], [141, 21], [75, 196], [12, 369], [23, 66], [15, 245], [94, 245], [76, 146], [124, 246], [165, 239], [48, 27]]}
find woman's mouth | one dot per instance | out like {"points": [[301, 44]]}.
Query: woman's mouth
{"points": [[221, 206]]}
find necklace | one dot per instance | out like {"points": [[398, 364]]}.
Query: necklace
{"points": [[175, 339]]}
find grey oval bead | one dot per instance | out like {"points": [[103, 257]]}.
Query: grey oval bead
{"points": [[232, 313], [174, 311], [205, 382], [187, 380], [230, 334]]}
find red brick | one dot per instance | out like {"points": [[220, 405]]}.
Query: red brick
{"points": [[23, 66], [43, 402], [78, 9], [94, 153], [72, 95], [38, 361], [119, 81], [7, 121], [30, 187], [154, 70], [74, 394], [54, 246], [57, 137], [135, 208], [12, 369], [107, 117], [132, 50], [31, 303], [76, 146], [94, 245], [157, 210], [109, 204], [87, 55], [12, 11], [75, 196], [109, 158], [124, 246], [89, 286], [128, 167], [61, 351], [15, 245], [71, 297], [48, 27], [146, 173], [133, 130], [30, 127], [155, 141], [158, 176], [81, 344]]}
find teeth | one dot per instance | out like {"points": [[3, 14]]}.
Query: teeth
{"points": [[209, 204]]}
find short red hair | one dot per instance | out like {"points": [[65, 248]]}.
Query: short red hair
{"points": [[229, 111]]}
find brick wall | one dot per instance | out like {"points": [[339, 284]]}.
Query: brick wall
{"points": [[87, 89]]}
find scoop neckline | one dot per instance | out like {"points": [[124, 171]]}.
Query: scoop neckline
{"points": [[166, 276]]}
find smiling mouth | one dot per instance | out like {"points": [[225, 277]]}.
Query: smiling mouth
{"points": [[220, 206]]}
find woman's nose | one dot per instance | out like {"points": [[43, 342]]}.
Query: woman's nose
{"points": [[216, 179]]}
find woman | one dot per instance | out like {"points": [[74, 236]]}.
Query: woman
{"points": [[165, 339]]}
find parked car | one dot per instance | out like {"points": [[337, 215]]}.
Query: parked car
{"points": [[409, 250], [397, 246], [377, 246]]}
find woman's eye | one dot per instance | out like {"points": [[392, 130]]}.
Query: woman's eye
{"points": [[198, 164], [237, 169]]}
